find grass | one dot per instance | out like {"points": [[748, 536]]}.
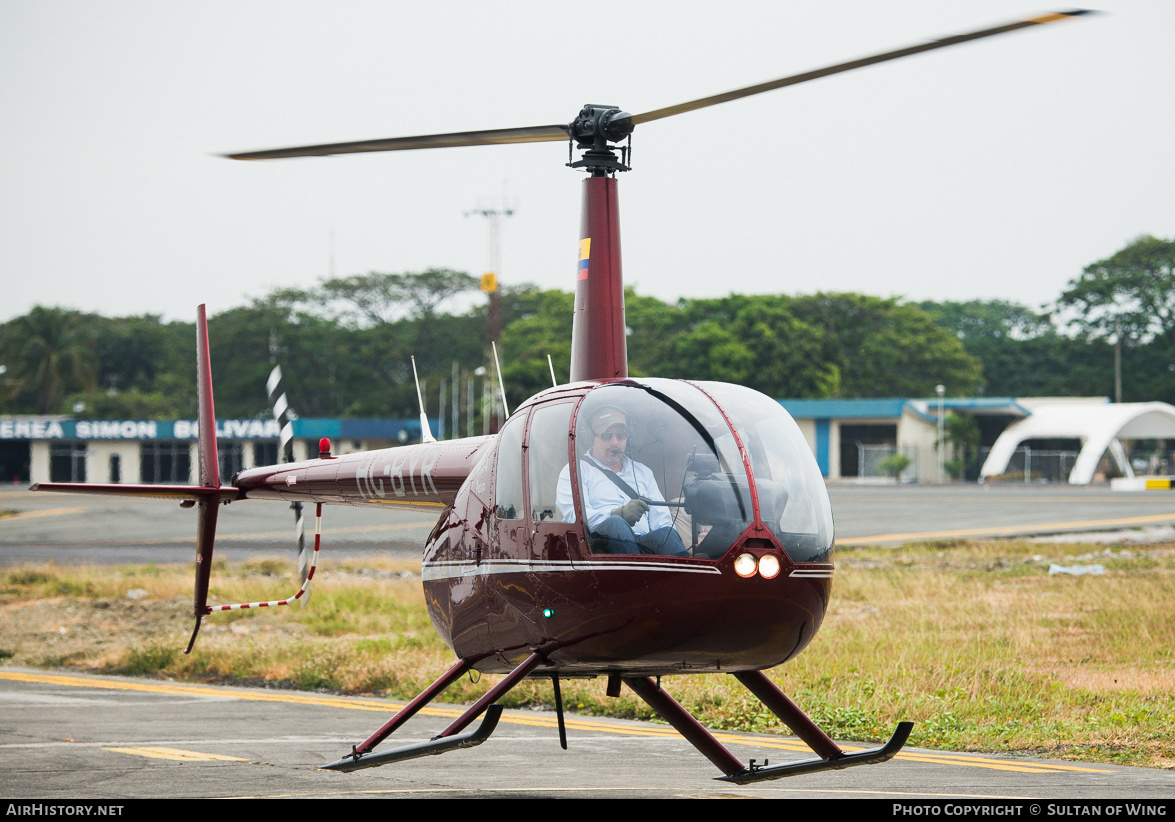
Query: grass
{"points": [[971, 640]]}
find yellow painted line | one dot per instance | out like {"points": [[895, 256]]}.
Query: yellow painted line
{"points": [[992, 498], [45, 512], [1010, 530], [597, 726], [176, 754], [354, 704], [994, 764]]}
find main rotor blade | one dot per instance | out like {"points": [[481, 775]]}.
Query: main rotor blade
{"points": [[704, 102], [499, 136]]}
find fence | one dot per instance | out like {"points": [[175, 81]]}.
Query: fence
{"points": [[1036, 465], [876, 463]]}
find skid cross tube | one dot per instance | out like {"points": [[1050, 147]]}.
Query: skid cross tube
{"points": [[408, 711], [493, 695], [789, 713], [831, 755], [684, 723]]}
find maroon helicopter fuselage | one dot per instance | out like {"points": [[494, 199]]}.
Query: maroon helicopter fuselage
{"points": [[505, 572]]}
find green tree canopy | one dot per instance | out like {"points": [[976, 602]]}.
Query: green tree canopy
{"points": [[1022, 352], [47, 354], [381, 298], [1131, 294], [885, 348]]}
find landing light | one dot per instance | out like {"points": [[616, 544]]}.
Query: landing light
{"points": [[769, 566], [744, 566]]}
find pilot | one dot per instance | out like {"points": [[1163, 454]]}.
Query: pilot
{"points": [[613, 489]]}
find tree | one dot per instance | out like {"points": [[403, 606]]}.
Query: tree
{"points": [[1127, 297], [1131, 293], [961, 432], [47, 355], [757, 341], [383, 298], [988, 319], [544, 329], [885, 348], [1022, 352]]}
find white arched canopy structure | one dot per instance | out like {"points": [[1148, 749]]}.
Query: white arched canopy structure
{"points": [[1097, 426]]}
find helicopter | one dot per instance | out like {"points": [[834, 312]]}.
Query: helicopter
{"points": [[517, 578]]}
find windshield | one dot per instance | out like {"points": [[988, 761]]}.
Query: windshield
{"points": [[658, 472], [793, 499]]}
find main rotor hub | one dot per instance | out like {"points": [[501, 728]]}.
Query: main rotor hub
{"points": [[593, 131]]}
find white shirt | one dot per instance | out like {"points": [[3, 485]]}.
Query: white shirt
{"points": [[600, 495]]}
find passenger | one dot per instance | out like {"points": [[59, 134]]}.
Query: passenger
{"points": [[613, 490]]}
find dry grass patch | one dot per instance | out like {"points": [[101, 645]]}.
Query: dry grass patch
{"points": [[973, 641]]}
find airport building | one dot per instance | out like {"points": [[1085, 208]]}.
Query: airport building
{"points": [[1074, 440], [60, 449], [1077, 440]]}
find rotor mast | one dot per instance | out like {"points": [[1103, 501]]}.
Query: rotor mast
{"points": [[599, 346]]}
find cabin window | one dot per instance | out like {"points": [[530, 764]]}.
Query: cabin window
{"points": [[508, 502], [547, 458]]}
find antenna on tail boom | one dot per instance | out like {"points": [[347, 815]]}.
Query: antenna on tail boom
{"points": [[501, 386], [425, 431]]}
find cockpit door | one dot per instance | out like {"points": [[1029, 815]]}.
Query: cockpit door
{"points": [[547, 454], [510, 519]]}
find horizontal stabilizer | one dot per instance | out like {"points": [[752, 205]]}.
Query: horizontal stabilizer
{"points": [[180, 492]]}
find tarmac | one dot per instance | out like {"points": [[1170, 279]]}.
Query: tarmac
{"points": [[67, 735], [76, 529]]}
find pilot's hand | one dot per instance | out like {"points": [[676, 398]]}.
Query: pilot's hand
{"points": [[631, 511]]}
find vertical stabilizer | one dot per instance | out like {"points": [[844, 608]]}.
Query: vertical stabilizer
{"points": [[209, 504]]}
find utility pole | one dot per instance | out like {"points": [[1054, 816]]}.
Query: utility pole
{"points": [[1117, 359], [490, 285]]}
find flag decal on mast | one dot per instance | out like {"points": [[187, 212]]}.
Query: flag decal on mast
{"points": [[585, 250]]}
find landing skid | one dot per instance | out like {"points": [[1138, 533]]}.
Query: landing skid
{"points": [[762, 773], [831, 757], [438, 745], [362, 755]]}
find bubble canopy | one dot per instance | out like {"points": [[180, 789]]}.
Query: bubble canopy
{"points": [[705, 458]]}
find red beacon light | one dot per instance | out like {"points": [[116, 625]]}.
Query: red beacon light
{"points": [[324, 448]]}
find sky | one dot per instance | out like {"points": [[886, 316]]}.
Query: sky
{"points": [[993, 170]]}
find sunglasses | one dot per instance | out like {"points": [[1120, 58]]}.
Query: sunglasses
{"points": [[608, 435]]}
